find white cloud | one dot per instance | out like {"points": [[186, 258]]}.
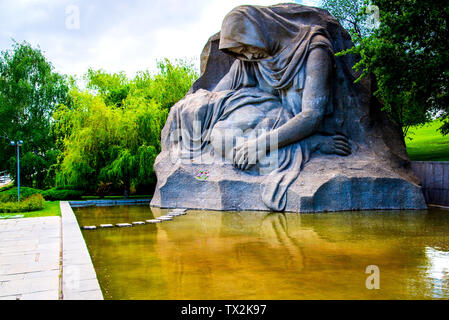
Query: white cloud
{"points": [[312, 3], [116, 36]]}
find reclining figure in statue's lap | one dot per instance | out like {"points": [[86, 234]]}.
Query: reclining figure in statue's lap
{"points": [[270, 105]]}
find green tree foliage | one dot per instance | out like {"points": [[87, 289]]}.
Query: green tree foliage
{"points": [[350, 15], [409, 55], [114, 88], [29, 93], [171, 83], [110, 134]]}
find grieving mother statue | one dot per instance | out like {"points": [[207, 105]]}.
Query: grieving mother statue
{"points": [[283, 73], [280, 101]]}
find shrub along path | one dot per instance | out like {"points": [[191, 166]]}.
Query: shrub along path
{"points": [[51, 208]]}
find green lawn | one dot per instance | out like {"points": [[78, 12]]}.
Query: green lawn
{"points": [[427, 143], [51, 208]]}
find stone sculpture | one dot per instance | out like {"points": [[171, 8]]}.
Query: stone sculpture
{"points": [[276, 122]]}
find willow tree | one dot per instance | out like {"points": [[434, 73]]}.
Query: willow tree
{"points": [[110, 133], [108, 143]]}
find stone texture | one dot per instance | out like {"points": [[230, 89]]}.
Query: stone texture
{"points": [[30, 258], [214, 65], [79, 280], [377, 175], [327, 184]]}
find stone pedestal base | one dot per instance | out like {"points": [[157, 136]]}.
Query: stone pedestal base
{"points": [[328, 183]]}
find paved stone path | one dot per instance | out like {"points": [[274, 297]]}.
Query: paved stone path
{"points": [[30, 265], [79, 278], [46, 259]]}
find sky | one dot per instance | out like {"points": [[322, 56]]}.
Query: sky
{"points": [[115, 35]]}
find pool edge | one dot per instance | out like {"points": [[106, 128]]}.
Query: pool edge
{"points": [[79, 279]]}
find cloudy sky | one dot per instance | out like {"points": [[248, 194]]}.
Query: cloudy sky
{"points": [[115, 35]]}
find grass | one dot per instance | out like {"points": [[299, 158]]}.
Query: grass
{"points": [[427, 143], [51, 208], [7, 186]]}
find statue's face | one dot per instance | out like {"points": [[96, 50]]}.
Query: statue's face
{"points": [[250, 53]]}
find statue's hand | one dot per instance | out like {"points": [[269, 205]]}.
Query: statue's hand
{"points": [[337, 144], [246, 155]]}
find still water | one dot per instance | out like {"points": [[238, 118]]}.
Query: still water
{"points": [[260, 255]]}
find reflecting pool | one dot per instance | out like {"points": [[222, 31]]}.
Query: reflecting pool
{"points": [[260, 255]]}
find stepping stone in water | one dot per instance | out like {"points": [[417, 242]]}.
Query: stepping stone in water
{"points": [[177, 212], [174, 214], [138, 222], [106, 225], [89, 227], [165, 218], [153, 221], [121, 225]]}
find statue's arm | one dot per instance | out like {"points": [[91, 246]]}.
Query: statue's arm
{"points": [[305, 123], [314, 101]]}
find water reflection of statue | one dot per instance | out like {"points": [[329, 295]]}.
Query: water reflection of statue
{"points": [[257, 255]]}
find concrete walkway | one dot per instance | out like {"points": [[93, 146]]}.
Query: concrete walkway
{"points": [[79, 278], [46, 259], [30, 265]]}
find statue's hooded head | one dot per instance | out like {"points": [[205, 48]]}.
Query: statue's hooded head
{"points": [[278, 38], [286, 33], [252, 33]]}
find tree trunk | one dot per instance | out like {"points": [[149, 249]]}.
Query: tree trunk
{"points": [[126, 190]]}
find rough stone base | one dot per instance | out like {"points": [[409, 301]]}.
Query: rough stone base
{"points": [[328, 183]]}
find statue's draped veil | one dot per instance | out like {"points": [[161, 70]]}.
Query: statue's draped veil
{"points": [[287, 42], [287, 32]]}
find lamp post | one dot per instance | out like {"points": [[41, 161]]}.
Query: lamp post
{"points": [[18, 143]]}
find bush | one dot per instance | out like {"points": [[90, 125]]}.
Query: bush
{"points": [[11, 194], [32, 203], [7, 187], [62, 194]]}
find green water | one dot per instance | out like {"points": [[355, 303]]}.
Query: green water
{"points": [[259, 255]]}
